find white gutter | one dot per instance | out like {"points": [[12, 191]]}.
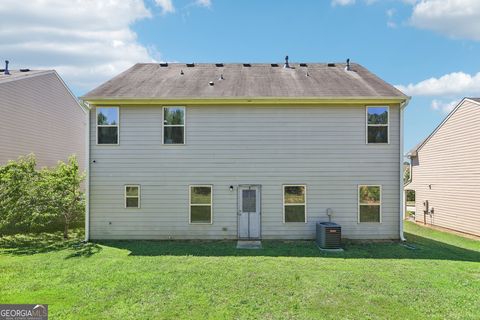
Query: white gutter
{"points": [[403, 105], [87, 177]]}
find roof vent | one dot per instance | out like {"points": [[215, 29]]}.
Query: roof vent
{"points": [[219, 65], [211, 83], [182, 73], [190, 65], [163, 65], [221, 77], [275, 65], [24, 70], [303, 65], [247, 65], [6, 68], [331, 65], [348, 65], [286, 63]]}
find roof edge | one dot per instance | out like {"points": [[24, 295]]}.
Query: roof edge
{"points": [[28, 75], [414, 152], [248, 100]]}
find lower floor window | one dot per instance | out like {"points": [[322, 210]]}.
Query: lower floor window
{"points": [[132, 196], [201, 204], [369, 203], [294, 203]]}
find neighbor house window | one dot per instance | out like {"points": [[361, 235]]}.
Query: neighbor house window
{"points": [[107, 125], [294, 203], [201, 204], [369, 203], [132, 196], [173, 125], [377, 124]]}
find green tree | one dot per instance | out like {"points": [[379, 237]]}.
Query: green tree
{"points": [[32, 200], [61, 194], [406, 172], [17, 203]]}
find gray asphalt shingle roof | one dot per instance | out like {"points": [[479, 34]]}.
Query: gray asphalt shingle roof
{"points": [[177, 80]]}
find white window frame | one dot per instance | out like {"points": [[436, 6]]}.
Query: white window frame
{"points": [[174, 125], [293, 204], [126, 197], [106, 126], [359, 204], [377, 125], [201, 204]]}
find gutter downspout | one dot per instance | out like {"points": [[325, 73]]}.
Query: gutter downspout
{"points": [[87, 176], [403, 105]]}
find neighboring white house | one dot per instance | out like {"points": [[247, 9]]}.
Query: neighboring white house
{"points": [[247, 151], [445, 171], [39, 115]]}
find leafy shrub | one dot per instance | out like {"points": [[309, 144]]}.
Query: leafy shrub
{"points": [[40, 200]]}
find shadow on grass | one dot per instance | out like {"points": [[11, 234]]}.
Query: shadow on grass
{"points": [[30, 244], [417, 248]]}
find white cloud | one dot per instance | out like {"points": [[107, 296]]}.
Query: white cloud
{"points": [[454, 18], [165, 5], [342, 2], [445, 107], [390, 15], [204, 3], [87, 41], [452, 84]]}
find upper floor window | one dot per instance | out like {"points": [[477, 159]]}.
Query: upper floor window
{"points": [[377, 124], [369, 203], [107, 125], [174, 125]]}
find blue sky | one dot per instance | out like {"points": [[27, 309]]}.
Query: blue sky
{"points": [[429, 48]]}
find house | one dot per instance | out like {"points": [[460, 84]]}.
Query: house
{"points": [[245, 151], [40, 115], [445, 171]]}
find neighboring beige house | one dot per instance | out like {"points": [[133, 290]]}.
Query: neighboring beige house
{"points": [[245, 151], [445, 171], [39, 114]]}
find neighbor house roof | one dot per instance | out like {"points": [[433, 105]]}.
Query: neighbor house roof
{"points": [[36, 75], [24, 73], [414, 151], [237, 80]]}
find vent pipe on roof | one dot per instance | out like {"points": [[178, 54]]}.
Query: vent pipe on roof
{"points": [[286, 63], [6, 67], [348, 65], [181, 72]]}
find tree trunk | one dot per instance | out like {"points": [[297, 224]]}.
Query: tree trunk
{"points": [[65, 230]]}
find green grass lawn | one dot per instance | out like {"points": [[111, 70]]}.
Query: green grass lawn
{"points": [[437, 276]]}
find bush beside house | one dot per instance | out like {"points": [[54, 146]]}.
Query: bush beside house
{"points": [[34, 200]]}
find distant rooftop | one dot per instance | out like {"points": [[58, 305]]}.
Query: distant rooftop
{"points": [[20, 74], [244, 80]]}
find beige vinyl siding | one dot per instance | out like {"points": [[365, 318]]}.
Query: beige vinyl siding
{"points": [[38, 115], [321, 147], [450, 163]]}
